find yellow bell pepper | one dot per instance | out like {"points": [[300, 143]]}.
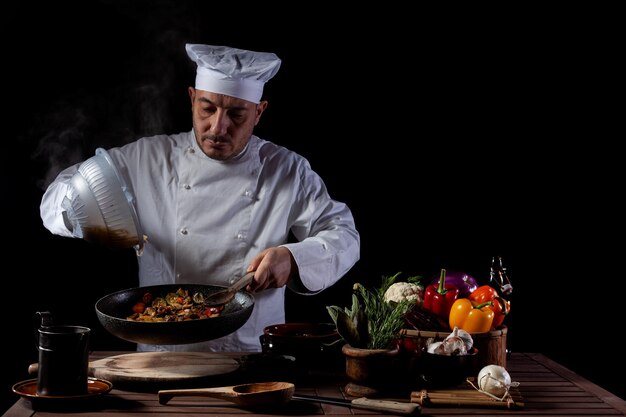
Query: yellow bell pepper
{"points": [[470, 316]]}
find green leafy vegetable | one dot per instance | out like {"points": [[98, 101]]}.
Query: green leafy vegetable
{"points": [[371, 323]]}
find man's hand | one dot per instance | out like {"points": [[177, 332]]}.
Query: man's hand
{"points": [[274, 268]]}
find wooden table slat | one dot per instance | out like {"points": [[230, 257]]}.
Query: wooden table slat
{"points": [[542, 389]]}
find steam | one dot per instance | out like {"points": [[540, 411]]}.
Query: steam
{"points": [[120, 108], [62, 134]]}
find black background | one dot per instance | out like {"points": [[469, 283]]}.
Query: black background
{"points": [[453, 135]]}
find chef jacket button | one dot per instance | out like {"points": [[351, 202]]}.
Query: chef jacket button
{"points": [[184, 231], [247, 193], [187, 186], [192, 150]]}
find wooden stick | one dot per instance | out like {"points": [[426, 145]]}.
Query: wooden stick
{"points": [[453, 394], [462, 398], [461, 394], [464, 402], [474, 394]]}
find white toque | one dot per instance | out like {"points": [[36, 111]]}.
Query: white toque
{"points": [[231, 71]]}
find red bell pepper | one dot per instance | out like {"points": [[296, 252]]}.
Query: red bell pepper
{"points": [[500, 306], [438, 298]]}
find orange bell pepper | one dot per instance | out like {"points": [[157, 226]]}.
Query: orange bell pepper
{"points": [[470, 316], [500, 306]]}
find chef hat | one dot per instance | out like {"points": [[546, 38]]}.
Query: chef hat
{"points": [[231, 71]]}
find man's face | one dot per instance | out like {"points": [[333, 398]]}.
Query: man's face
{"points": [[223, 124]]}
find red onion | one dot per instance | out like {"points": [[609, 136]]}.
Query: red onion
{"points": [[463, 281]]}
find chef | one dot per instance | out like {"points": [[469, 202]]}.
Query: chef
{"points": [[217, 201]]}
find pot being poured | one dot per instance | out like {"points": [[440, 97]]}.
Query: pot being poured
{"points": [[100, 206]]}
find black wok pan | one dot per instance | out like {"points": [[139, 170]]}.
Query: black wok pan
{"points": [[113, 309]]}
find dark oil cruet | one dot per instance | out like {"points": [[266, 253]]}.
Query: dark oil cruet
{"points": [[499, 276]]}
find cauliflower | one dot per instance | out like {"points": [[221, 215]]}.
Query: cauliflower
{"points": [[400, 291]]}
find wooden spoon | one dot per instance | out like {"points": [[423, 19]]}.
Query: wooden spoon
{"points": [[221, 297], [275, 393], [246, 395]]}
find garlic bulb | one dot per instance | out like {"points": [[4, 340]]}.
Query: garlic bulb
{"points": [[459, 342], [465, 336], [495, 380], [434, 347]]}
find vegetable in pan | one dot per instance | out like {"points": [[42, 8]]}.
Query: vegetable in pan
{"points": [[176, 306]]}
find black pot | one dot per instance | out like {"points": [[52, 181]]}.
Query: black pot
{"points": [[442, 371], [113, 309]]}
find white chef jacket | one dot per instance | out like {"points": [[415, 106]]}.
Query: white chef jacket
{"points": [[206, 219]]}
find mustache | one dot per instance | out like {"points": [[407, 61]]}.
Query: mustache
{"points": [[215, 138]]}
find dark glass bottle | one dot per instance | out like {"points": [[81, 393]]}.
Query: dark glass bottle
{"points": [[499, 276]]}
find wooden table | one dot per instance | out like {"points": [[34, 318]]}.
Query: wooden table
{"points": [[547, 388]]}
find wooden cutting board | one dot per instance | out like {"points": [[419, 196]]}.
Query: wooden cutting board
{"points": [[157, 368]]}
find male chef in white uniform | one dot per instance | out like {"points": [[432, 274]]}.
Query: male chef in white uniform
{"points": [[218, 201]]}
